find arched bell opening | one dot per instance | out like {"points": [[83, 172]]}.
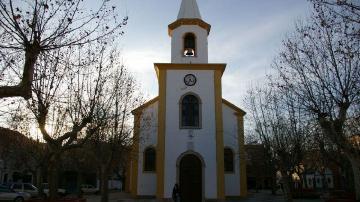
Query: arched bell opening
{"points": [[189, 45]]}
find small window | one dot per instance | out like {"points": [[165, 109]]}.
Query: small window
{"points": [[189, 45], [149, 160], [228, 160], [190, 112]]}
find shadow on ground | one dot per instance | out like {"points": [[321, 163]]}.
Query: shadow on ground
{"points": [[261, 196]]}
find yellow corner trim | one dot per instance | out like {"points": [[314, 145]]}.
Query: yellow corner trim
{"points": [[219, 136], [135, 155], [161, 135], [241, 142]]}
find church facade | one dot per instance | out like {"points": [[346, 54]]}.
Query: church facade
{"points": [[188, 135]]}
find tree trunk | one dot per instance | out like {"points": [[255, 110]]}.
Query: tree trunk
{"points": [[53, 180], [287, 187], [273, 183], [78, 184], [23, 89], [39, 181], [356, 172], [104, 181]]}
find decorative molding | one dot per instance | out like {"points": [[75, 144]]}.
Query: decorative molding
{"points": [[188, 21], [181, 66]]}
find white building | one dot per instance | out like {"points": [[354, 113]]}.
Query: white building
{"points": [[189, 134]]}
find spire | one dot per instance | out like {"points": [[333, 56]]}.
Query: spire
{"points": [[189, 9]]}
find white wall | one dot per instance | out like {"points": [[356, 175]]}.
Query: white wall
{"points": [[232, 180], [177, 141], [177, 45], [319, 180], [148, 137]]}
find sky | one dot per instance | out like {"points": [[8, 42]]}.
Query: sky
{"points": [[245, 34]]}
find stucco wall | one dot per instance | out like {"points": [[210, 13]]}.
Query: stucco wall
{"points": [[232, 180], [177, 45], [178, 141], [148, 137]]}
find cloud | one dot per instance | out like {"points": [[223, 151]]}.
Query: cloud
{"points": [[249, 52], [248, 46], [141, 63]]}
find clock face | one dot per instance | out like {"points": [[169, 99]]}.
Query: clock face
{"points": [[190, 80]]}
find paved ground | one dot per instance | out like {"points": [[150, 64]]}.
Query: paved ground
{"points": [[263, 196], [266, 196]]}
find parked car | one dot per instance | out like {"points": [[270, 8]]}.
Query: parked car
{"points": [[61, 192], [339, 196], [7, 194], [88, 189], [25, 187]]}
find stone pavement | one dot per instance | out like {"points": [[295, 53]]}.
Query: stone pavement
{"points": [[263, 196], [266, 196]]}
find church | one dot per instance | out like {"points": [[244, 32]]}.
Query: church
{"points": [[188, 135]]}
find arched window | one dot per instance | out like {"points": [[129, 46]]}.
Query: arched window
{"points": [[149, 159], [228, 160], [190, 111], [189, 45]]}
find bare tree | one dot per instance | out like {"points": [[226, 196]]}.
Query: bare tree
{"points": [[30, 29], [320, 65], [69, 99], [111, 144], [345, 9], [282, 128]]}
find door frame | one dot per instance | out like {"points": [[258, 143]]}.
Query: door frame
{"points": [[203, 165]]}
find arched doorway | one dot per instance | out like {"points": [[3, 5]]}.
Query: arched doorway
{"points": [[190, 179]]}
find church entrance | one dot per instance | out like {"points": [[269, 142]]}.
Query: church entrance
{"points": [[190, 179]]}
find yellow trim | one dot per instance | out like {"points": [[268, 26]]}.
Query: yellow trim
{"points": [[145, 105], [135, 161], [161, 135], [128, 175], [166, 66], [219, 137], [234, 107], [188, 21], [241, 141]]}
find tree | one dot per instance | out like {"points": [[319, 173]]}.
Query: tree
{"points": [[345, 9], [30, 29], [111, 144], [69, 99], [282, 129], [319, 64]]}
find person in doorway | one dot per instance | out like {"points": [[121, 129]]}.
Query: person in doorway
{"points": [[176, 193]]}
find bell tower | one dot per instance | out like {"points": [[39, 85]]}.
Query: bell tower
{"points": [[189, 34]]}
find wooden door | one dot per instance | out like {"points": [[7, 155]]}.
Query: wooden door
{"points": [[190, 179]]}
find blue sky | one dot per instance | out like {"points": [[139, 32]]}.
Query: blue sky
{"points": [[245, 34]]}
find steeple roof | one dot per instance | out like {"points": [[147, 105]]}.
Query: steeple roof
{"points": [[189, 9]]}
